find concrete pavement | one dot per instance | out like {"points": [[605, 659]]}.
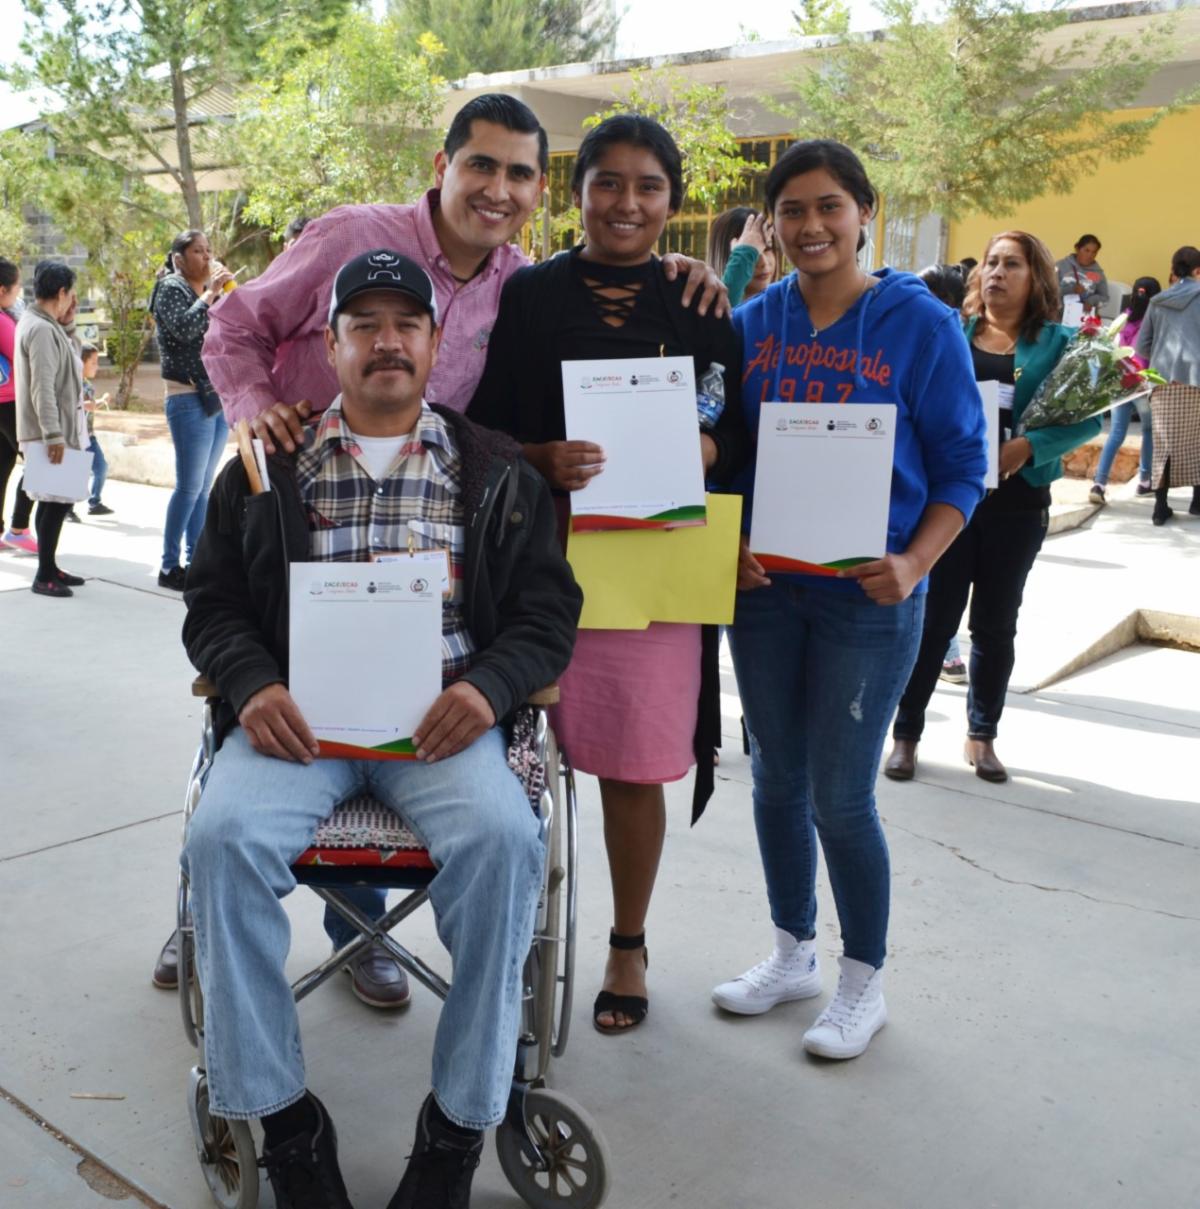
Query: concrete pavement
{"points": [[1041, 980]]}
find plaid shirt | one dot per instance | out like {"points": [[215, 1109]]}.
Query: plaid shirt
{"points": [[351, 517]]}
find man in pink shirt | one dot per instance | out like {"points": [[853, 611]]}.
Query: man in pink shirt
{"points": [[265, 342]]}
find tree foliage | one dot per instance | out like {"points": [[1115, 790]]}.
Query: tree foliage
{"points": [[972, 108], [134, 80], [350, 121], [508, 35], [698, 117]]}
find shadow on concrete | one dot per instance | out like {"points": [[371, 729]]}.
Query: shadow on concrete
{"points": [[1117, 712]]}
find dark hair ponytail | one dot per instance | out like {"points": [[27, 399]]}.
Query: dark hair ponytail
{"points": [[180, 244], [1139, 298]]}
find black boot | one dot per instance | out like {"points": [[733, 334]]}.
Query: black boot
{"points": [[304, 1170], [441, 1166]]}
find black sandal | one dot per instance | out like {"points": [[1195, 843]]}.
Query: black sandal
{"points": [[633, 1006]]}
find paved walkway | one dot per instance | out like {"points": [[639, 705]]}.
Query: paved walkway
{"points": [[1042, 979]]}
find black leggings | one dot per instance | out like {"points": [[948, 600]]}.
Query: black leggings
{"points": [[48, 524], [8, 459]]}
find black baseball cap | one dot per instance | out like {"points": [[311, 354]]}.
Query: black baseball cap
{"points": [[382, 269]]}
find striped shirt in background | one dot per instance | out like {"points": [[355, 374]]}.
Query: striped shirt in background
{"points": [[352, 517]]}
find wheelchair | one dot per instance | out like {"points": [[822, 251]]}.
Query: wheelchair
{"points": [[550, 1150]]}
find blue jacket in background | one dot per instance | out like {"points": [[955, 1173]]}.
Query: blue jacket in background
{"points": [[897, 344]]}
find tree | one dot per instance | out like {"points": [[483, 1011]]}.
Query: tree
{"points": [[508, 35], [133, 80], [349, 121], [698, 117], [971, 109], [20, 156]]}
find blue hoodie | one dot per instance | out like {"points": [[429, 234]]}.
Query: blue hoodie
{"points": [[896, 344]]}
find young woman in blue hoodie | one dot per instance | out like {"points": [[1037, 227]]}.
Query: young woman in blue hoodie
{"points": [[821, 661]]}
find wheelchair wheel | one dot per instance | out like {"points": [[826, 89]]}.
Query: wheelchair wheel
{"points": [[551, 944], [226, 1150], [574, 1174]]}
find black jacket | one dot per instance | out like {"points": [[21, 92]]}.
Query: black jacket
{"points": [[520, 600]]}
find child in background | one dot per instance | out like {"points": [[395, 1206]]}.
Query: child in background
{"points": [[1144, 289], [91, 363], [741, 247]]}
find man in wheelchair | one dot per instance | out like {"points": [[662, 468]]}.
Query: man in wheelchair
{"points": [[380, 465]]}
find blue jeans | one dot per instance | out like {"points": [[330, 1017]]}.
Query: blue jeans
{"points": [[258, 814], [199, 442], [1120, 426], [99, 471], [370, 900], [820, 672]]}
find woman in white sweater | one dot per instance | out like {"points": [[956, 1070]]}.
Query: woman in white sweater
{"points": [[49, 381]]}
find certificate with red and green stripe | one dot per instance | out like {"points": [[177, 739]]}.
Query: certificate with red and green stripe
{"points": [[642, 412], [822, 485], [365, 652]]}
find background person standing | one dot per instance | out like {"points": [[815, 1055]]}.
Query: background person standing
{"points": [[17, 537], [50, 405], [1170, 340], [179, 303], [1009, 310], [1144, 289], [1080, 276]]}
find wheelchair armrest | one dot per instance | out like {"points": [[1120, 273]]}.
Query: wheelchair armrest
{"points": [[544, 696], [203, 687]]}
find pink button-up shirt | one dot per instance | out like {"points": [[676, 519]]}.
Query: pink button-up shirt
{"points": [[266, 342]]}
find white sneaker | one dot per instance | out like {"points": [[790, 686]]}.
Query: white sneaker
{"points": [[853, 1016], [791, 972]]}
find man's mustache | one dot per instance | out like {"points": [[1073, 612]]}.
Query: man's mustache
{"points": [[386, 363]]}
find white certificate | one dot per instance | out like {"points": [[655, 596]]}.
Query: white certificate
{"points": [[823, 485], [989, 392], [365, 652], [69, 479], [642, 413]]}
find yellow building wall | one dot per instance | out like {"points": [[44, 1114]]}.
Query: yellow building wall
{"points": [[1141, 209]]}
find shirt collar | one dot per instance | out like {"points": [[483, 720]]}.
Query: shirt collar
{"points": [[331, 434], [432, 250]]}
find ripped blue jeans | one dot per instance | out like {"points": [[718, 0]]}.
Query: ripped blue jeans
{"points": [[820, 672]]}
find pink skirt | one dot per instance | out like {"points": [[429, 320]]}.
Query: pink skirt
{"points": [[629, 703]]}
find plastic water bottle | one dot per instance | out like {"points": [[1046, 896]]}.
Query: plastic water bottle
{"points": [[710, 395]]}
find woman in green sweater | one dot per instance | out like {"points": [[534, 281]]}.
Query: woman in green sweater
{"points": [[741, 248], [1008, 320]]}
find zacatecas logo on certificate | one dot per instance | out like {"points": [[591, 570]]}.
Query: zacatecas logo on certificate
{"points": [[365, 652], [823, 484]]}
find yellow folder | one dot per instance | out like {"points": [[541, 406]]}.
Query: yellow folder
{"points": [[630, 579]]}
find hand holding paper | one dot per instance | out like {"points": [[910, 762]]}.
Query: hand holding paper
{"points": [[275, 726], [887, 580], [454, 721], [567, 465]]}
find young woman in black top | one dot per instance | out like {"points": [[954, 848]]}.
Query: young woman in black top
{"points": [[638, 707]]}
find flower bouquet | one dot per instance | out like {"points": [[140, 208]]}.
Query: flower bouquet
{"points": [[1095, 373]]}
